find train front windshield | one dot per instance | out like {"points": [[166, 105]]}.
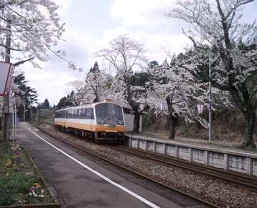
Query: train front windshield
{"points": [[108, 113]]}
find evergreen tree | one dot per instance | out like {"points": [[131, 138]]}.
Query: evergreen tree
{"points": [[45, 104], [67, 101], [27, 94], [95, 68]]}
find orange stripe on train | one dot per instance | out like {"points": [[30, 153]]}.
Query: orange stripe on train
{"points": [[91, 127]]}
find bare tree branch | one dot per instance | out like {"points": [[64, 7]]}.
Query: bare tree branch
{"points": [[23, 61]]}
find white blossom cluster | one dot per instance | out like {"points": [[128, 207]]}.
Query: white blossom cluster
{"points": [[96, 87], [34, 30], [173, 90]]}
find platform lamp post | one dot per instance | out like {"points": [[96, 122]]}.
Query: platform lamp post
{"points": [[13, 112], [14, 120], [24, 110], [24, 94]]}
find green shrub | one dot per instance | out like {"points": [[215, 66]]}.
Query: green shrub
{"points": [[14, 185], [148, 119]]}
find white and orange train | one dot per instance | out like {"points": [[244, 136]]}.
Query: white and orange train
{"points": [[97, 120]]}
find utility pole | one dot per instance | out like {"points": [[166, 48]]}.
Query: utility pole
{"points": [[24, 109], [210, 101], [14, 121], [6, 97]]}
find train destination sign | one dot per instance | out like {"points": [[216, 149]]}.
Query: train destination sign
{"points": [[6, 71]]}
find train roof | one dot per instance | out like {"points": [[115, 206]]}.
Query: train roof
{"points": [[87, 105]]}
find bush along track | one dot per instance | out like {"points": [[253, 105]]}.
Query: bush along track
{"points": [[21, 185]]}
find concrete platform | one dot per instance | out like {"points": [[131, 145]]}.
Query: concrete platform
{"points": [[225, 158], [82, 182]]}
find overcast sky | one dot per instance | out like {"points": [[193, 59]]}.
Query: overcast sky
{"points": [[91, 24]]}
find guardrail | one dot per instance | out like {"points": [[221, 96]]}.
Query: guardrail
{"points": [[242, 162]]}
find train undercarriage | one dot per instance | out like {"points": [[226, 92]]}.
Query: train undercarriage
{"points": [[97, 137]]}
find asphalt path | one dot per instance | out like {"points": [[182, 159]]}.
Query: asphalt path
{"points": [[81, 182]]}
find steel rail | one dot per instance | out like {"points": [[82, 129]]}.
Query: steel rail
{"points": [[123, 166], [230, 176]]}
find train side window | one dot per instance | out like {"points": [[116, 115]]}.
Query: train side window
{"points": [[60, 114], [90, 113], [76, 113], [85, 113], [80, 112], [70, 113], [73, 113]]}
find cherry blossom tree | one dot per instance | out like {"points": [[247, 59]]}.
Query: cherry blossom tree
{"points": [[96, 86], [216, 28], [30, 31], [174, 92], [126, 56]]}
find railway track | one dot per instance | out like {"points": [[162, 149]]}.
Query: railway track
{"points": [[234, 177], [231, 177]]}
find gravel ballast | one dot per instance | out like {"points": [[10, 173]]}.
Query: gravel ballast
{"points": [[208, 188]]}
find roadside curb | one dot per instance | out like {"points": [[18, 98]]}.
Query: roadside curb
{"points": [[50, 188]]}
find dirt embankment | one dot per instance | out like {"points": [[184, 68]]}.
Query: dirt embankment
{"points": [[228, 127]]}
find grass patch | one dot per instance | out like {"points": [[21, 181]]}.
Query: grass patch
{"points": [[15, 188], [19, 184]]}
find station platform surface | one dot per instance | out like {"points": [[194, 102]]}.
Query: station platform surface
{"points": [[76, 181], [215, 145]]}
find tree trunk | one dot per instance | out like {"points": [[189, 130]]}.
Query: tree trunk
{"points": [[136, 122], [250, 118], [172, 119], [97, 97], [172, 123], [6, 127], [6, 98]]}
